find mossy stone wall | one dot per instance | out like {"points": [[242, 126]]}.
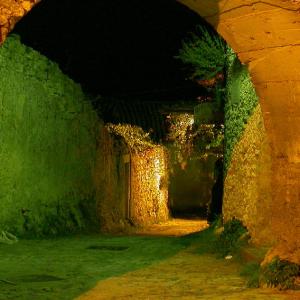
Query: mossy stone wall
{"points": [[247, 194], [47, 146]]}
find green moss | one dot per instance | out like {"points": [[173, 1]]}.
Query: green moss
{"points": [[47, 146], [241, 100]]}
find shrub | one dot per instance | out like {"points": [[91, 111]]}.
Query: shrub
{"points": [[231, 238], [280, 273], [204, 53]]}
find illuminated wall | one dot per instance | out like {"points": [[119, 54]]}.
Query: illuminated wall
{"points": [[265, 35], [149, 186], [47, 146], [132, 185], [112, 183], [10, 12]]}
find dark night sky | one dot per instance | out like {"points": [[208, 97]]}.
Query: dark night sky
{"points": [[114, 47]]}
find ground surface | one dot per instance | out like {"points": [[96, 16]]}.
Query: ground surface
{"points": [[187, 275], [135, 267], [190, 274]]}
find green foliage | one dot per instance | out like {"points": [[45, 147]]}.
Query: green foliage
{"points": [[209, 138], [241, 100], [47, 146], [204, 53], [280, 273], [231, 238], [134, 136], [252, 272]]}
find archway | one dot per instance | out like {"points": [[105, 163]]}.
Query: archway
{"points": [[264, 34]]}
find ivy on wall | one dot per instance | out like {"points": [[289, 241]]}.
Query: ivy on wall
{"points": [[47, 146], [241, 100]]}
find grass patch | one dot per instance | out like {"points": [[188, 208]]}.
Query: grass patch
{"points": [[251, 271], [64, 268]]}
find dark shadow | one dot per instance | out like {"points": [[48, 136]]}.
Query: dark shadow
{"points": [[114, 48], [215, 206]]}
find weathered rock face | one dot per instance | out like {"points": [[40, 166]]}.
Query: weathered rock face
{"points": [[11, 11], [266, 37]]}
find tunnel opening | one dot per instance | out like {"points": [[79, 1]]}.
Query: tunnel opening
{"points": [[123, 56]]}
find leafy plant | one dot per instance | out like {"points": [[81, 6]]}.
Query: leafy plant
{"points": [[231, 238], [280, 273], [204, 53]]}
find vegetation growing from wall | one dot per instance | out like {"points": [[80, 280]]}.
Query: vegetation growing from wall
{"points": [[47, 146], [241, 100], [280, 273], [207, 56], [134, 136]]}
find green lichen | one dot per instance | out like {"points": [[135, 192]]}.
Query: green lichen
{"points": [[47, 146]]}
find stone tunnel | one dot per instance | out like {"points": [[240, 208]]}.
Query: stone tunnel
{"points": [[266, 37]]}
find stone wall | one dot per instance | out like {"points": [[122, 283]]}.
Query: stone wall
{"points": [[247, 186], [265, 35], [111, 184], [132, 186], [47, 146], [11, 11], [149, 186]]}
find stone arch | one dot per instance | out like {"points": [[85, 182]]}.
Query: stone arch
{"points": [[11, 11], [266, 37]]}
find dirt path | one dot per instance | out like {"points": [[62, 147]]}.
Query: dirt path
{"points": [[174, 227], [187, 275]]}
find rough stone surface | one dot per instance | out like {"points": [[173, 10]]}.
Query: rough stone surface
{"points": [[266, 36], [11, 11], [246, 188], [137, 196], [149, 186]]}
